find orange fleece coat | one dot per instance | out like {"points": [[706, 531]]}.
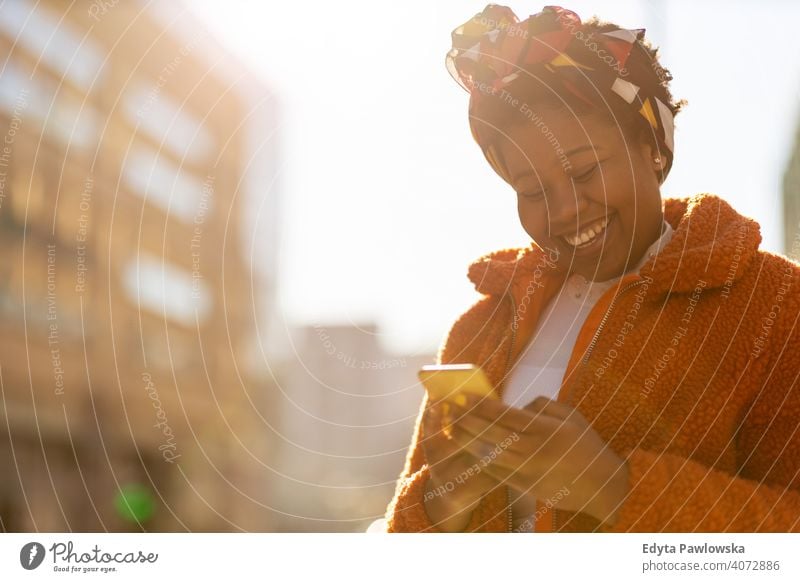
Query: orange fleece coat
{"points": [[692, 378]]}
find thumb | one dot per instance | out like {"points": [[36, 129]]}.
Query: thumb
{"points": [[549, 407]]}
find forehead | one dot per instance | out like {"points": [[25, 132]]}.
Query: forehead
{"points": [[546, 138]]}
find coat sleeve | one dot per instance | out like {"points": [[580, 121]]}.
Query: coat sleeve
{"points": [[675, 494], [406, 512]]}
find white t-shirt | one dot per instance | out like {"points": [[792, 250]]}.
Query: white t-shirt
{"points": [[540, 369]]}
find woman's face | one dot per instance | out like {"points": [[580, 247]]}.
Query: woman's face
{"points": [[596, 199]]}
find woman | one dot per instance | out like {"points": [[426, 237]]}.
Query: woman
{"points": [[642, 349]]}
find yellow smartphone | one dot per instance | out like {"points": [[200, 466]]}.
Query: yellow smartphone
{"points": [[450, 382]]}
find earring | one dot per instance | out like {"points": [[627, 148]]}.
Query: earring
{"points": [[657, 160]]}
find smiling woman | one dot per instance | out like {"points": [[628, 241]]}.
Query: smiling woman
{"points": [[636, 393], [595, 129]]}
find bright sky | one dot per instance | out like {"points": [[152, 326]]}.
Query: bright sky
{"points": [[386, 198]]}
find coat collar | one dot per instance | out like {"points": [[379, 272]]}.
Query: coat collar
{"points": [[712, 242]]}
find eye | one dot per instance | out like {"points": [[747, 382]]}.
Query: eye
{"points": [[587, 175]]}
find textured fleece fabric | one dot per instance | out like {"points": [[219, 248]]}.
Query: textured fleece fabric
{"points": [[693, 379]]}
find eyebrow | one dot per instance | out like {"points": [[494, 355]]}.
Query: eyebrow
{"points": [[571, 152]]}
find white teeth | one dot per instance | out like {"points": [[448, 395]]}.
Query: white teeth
{"points": [[587, 234]]}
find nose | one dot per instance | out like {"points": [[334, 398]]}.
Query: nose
{"points": [[564, 207]]}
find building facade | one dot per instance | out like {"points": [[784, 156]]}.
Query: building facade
{"points": [[347, 412], [128, 303], [791, 202]]}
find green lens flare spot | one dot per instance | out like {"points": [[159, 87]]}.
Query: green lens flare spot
{"points": [[134, 503]]}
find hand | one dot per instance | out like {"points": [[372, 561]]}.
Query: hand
{"points": [[544, 449], [456, 482]]}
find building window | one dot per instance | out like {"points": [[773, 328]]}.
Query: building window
{"points": [[61, 115], [168, 122], [161, 182], [167, 289], [54, 42]]}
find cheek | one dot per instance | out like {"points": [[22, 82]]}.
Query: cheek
{"points": [[627, 193], [533, 218], [620, 188]]}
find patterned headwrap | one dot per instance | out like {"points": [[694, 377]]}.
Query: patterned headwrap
{"points": [[493, 48]]}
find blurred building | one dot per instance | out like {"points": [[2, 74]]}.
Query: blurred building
{"points": [[791, 202], [347, 413], [137, 162]]}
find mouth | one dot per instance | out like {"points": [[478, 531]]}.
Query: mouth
{"points": [[590, 236]]}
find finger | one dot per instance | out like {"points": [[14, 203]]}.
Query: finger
{"points": [[432, 427], [503, 475], [512, 420], [498, 412], [480, 427], [544, 405], [440, 452], [488, 452], [514, 479], [446, 447]]}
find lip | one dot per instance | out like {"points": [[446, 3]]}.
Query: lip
{"points": [[597, 243]]}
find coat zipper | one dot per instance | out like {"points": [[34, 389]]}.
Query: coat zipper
{"points": [[606, 316], [505, 381], [591, 347], [589, 350]]}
